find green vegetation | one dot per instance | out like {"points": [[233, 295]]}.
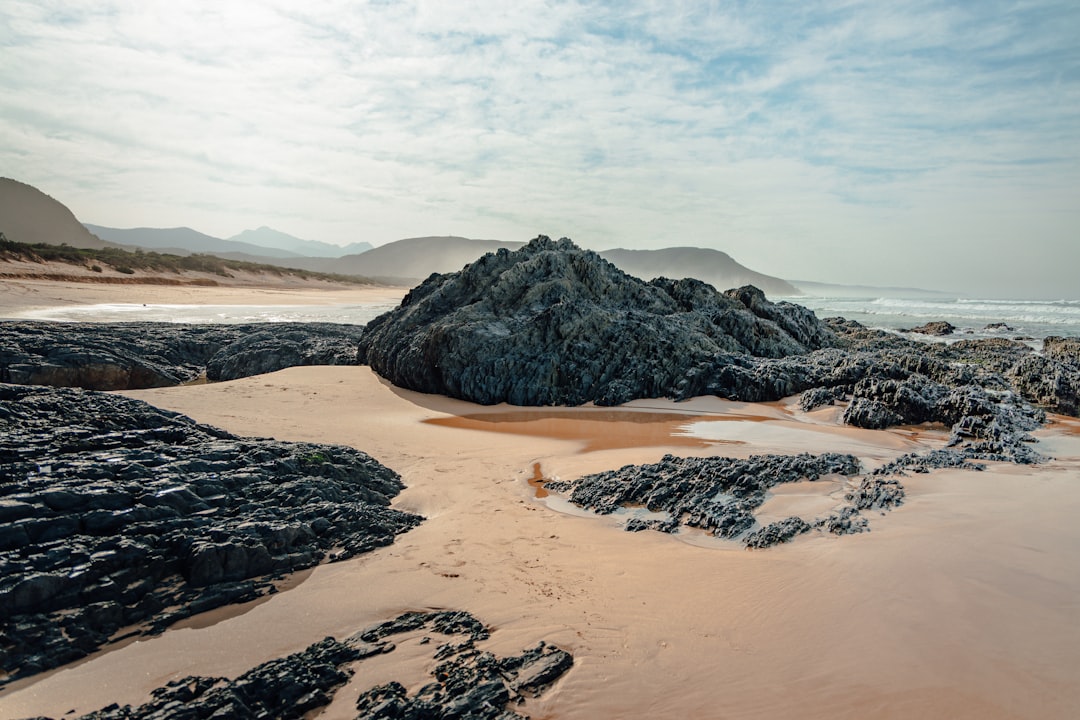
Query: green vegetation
{"points": [[315, 458], [128, 262]]}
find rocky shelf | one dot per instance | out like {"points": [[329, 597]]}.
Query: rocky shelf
{"points": [[129, 356], [117, 516], [466, 683]]}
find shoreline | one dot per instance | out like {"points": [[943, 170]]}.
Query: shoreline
{"points": [[960, 597], [20, 298]]}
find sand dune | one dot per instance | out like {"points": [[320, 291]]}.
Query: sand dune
{"points": [[959, 604]]}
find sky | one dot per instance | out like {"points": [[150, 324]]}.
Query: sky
{"points": [[923, 144]]}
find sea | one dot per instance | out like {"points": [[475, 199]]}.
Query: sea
{"points": [[973, 318], [1028, 320]]}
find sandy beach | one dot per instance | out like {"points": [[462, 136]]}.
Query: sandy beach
{"points": [[20, 296], [962, 603]]}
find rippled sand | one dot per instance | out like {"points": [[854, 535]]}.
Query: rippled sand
{"points": [[961, 603]]}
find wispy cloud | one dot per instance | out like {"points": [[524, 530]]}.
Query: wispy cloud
{"points": [[839, 139]]}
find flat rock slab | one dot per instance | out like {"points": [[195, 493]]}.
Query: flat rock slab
{"points": [[129, 356]]}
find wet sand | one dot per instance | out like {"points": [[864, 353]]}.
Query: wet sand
{"points": [[961, 603]]}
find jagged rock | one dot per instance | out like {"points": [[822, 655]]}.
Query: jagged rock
{"points": [[1053, 378], [126, 356], [871, 414], [778, 532], [819, 397], [552, 324], [938, 328], [715, 494], [115, 513], [470, 684]]}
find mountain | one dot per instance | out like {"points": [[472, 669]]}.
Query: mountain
{"points": [[269, 238], [182, 240], [416, 258], [712, 266], [28, 215]]}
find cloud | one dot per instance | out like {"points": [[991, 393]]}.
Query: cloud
{"points": [[788, 134]]}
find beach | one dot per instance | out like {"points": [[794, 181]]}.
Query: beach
{"points": [[962, 602]]}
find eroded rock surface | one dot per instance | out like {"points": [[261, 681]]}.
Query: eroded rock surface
{"points": [[466, 683], [114, 513], [715, 494], [128, 356], [551, 324]]}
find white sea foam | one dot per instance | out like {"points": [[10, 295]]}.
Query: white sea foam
{"points": [[360, 313], [1033, 318]]}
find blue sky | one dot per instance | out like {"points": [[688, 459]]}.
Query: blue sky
{"points": [[930, 144]]}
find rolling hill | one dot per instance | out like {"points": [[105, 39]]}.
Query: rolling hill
{"points": [[712, 266], [28, 215]]}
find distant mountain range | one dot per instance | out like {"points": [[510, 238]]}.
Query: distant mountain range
{"points": [[269, 238], [29, 215], [262, 243]]}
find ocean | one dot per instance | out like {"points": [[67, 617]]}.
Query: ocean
{"points": [[1025, 319]]}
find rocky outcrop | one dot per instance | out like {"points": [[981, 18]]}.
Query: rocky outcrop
{"points": [[1051, 379], [938, 328], [467, 682], [716, 494], [127, 356], [115, 514], [551, 324]]}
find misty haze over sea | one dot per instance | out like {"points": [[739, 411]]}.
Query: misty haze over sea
{"points": [[1034, 319]]}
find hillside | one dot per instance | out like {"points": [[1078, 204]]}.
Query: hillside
{"points": [[45, 261], [712, 266], [181, 240], [416, 258], [28, 215]]}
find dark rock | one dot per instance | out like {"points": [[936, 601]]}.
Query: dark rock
{"points": [[819, 397], [552, 324], [715, 494], [469, 684], [871, 414], [1053, 378], [778, 532], [112, 510], [124, 356], [938, 328], [998, 326]]}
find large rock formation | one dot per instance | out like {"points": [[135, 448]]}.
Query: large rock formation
{"points": [[114, 513], [129, 356], [551, 324]]}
